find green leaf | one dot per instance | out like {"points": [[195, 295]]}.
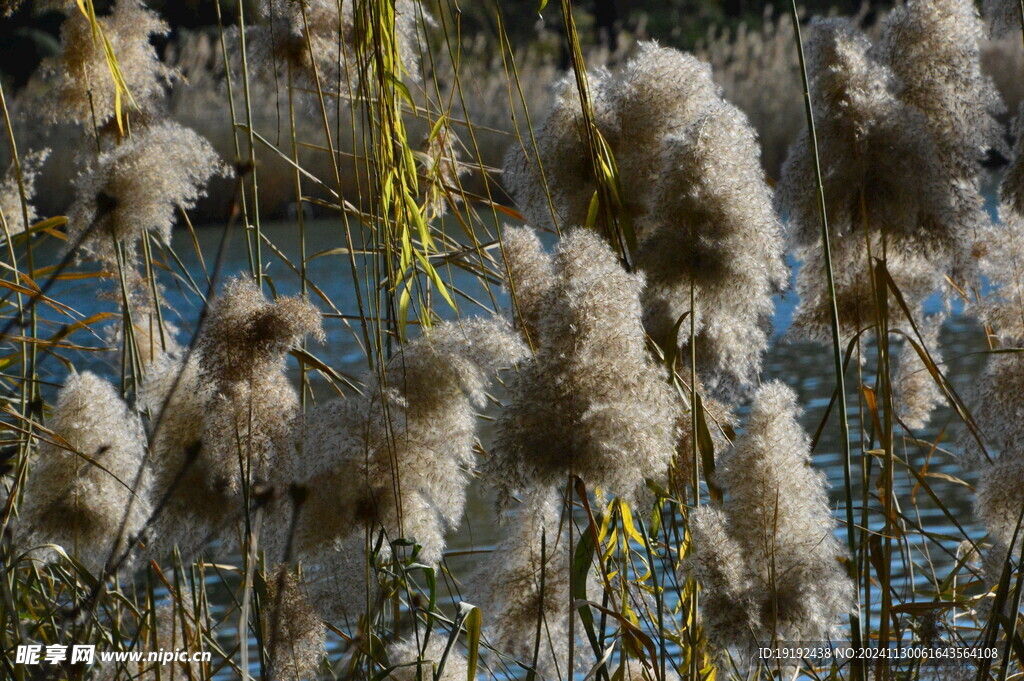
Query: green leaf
{"points": [[706, 446], [474, 625]]}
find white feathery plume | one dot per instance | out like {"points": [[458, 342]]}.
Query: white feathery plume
{"points": [[400, 454], [81, 73], [708, 209], [591, 402], [525, 583], [138, 186], [934, 49], [12, 209], [777, 517], [692, 189], [295, 636], [914, 389], [411, 665], [79, 492]]}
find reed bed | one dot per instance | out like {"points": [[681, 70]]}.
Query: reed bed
{"points": [[560, 287]]}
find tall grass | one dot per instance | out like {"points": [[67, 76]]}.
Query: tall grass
{"points": [[598, 375]]}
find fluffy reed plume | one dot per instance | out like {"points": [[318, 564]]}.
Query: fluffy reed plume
{"points": [[998, 504], [660, 90], [79, 491], [230, 410], [710, 206], [414, 666], [914, 274], [1000, 498], [557, 186], [693, 190], [590, 402], [296, 636], [1011, 191], [12, 210], [81, 73], [878, 160], [400, 454], [139, 185], [718, 564], [885, 192], [996, 405], [914, 388], [525, 583], [777, 518], [531, 279], [174, 626], [340, 580], [1003, 261], [174, 398], [321, 38], [242, 354], [933, 48]]}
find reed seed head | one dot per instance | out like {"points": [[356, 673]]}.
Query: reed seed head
{"points": [[590, 402], [296, 636], [12, 210], [427, 665], [81, 73], [914, 388], [526, 582], [80, 489], [139, 185]]}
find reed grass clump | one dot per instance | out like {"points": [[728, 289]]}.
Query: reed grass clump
{"points": [[233, 484]]}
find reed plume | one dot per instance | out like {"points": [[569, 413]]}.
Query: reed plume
{"points": [[886, 195], [295, 633], [590, 402], [139, 185], [173, 626], [914, 388], [12, 209], [400, 454], [933, 48], [790, 585], [410, 665], [340, 579], [711, 204], [693, 191], [524, 585], [79, 493], [320, 41], [85, 89], [225, 416]]}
